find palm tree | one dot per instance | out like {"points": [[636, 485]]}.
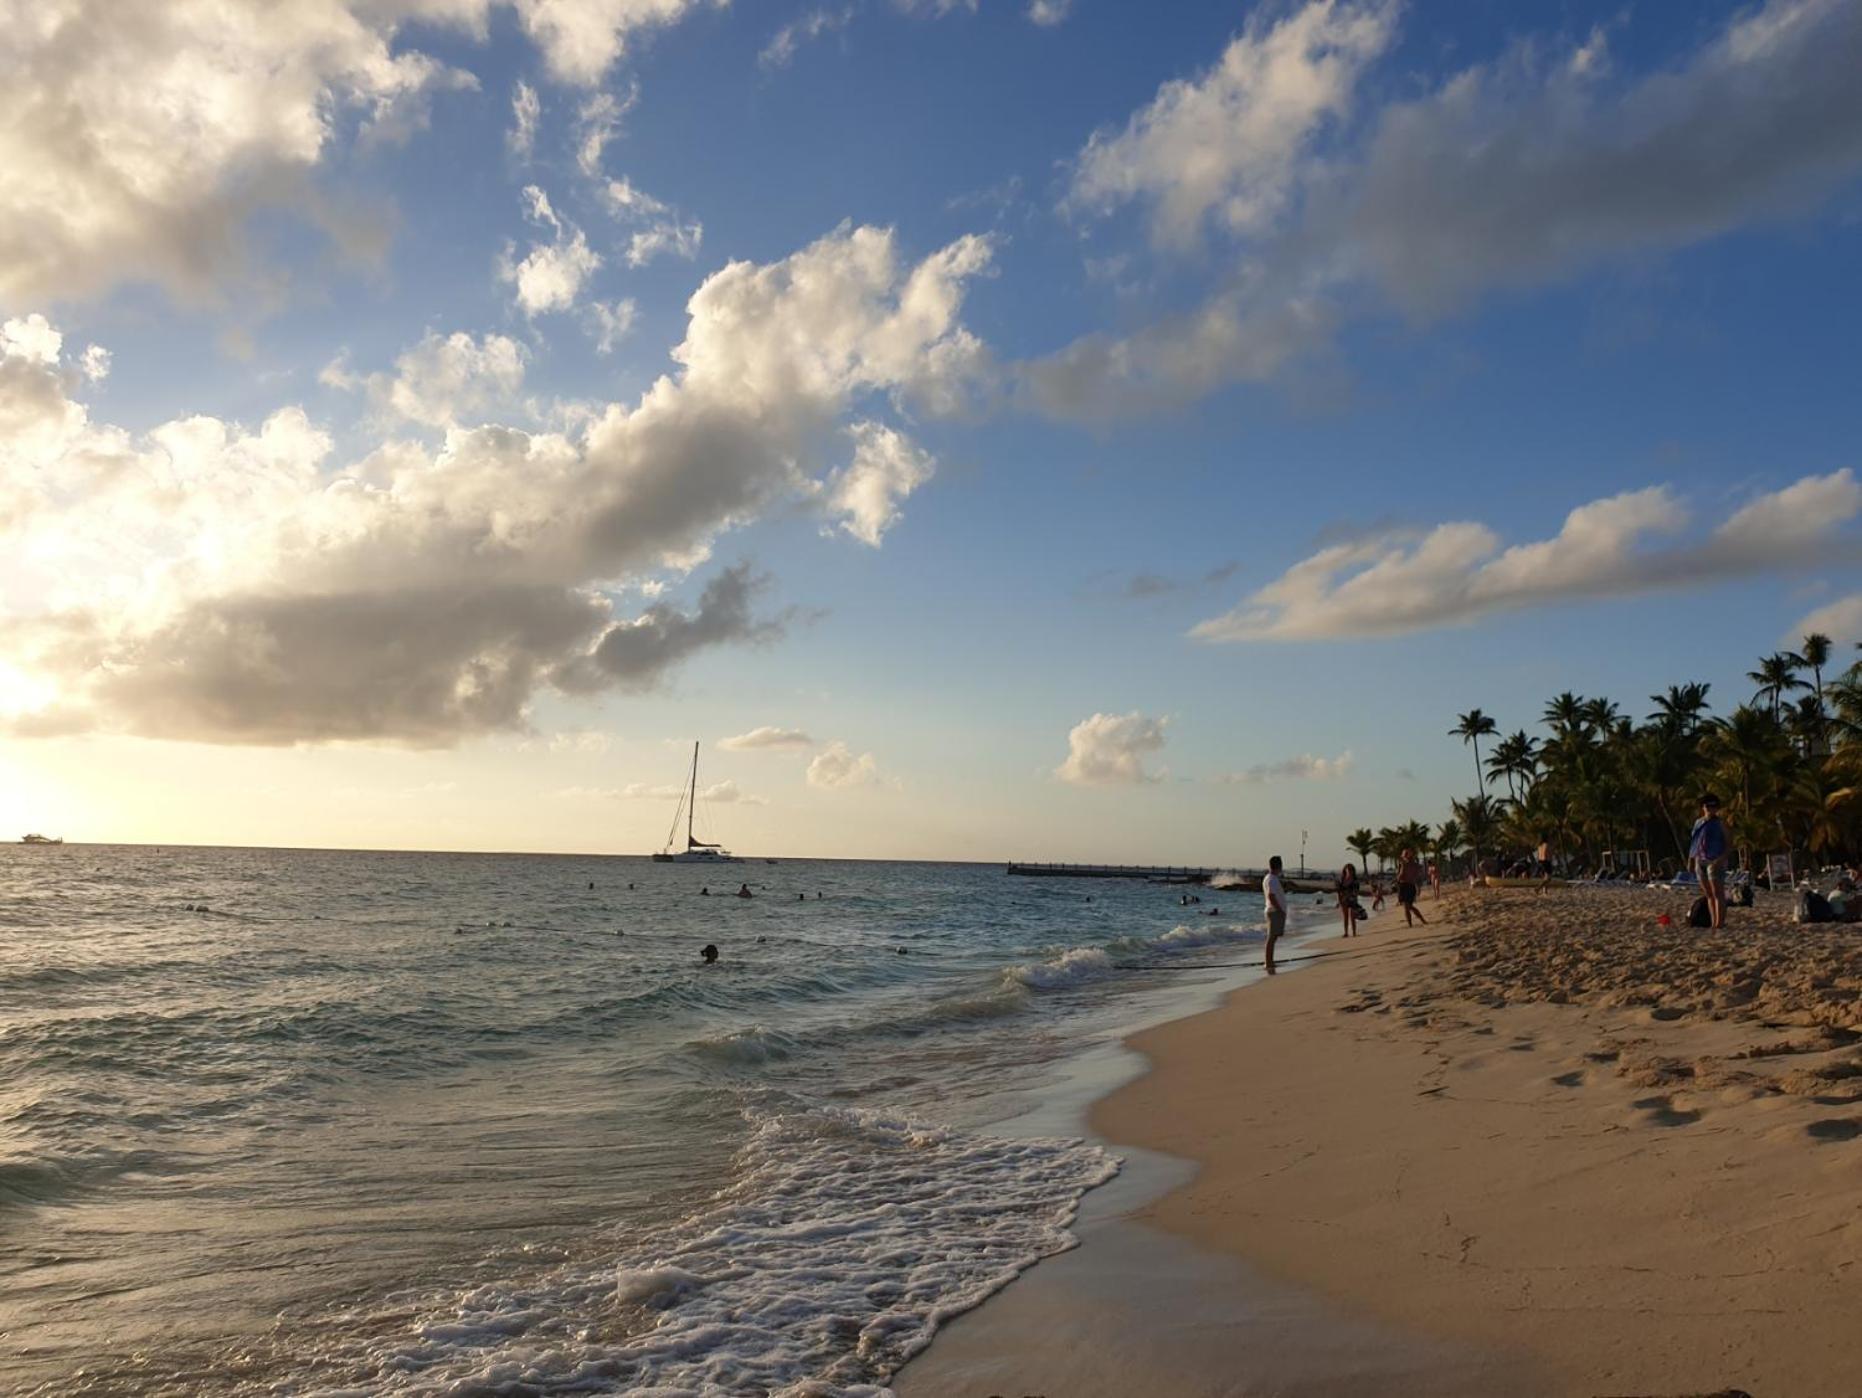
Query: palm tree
{"points": [[1681, 709], [1476, 816], [1362, 842], [1813, 657], [1775, 677], [1471, 728], [1515, 758], [1448, 842], [1565, 713]]}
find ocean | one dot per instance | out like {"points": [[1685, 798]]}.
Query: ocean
{"points": [[342, 1123]]}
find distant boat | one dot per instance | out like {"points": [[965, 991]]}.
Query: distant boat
{"points": [[696, 851], [42, 840]]}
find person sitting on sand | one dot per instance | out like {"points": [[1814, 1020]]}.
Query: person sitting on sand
{"points": [[1706, 849], [1348, 898], [1409, 880]]}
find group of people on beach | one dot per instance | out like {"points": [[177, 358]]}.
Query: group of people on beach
{"points": [[1410, 875]]}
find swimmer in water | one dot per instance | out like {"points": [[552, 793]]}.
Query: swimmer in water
{"points": [[710, 953], [743, 891]]}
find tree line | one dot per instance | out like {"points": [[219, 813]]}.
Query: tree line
{"points": [[1787, 764]]}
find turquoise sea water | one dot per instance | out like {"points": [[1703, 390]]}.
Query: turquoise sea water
{"points": [[296, 1122]]}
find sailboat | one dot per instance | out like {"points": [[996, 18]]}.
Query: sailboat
{"points": [[696, 851]]}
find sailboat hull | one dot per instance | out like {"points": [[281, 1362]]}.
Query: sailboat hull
{"points": [[697, 856]]}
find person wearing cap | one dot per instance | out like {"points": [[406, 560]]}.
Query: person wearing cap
{"points": [[1706, 850]]}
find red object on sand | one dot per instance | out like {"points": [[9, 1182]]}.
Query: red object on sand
{"points": [[1665, 921]]}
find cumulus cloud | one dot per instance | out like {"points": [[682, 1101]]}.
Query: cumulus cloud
{"points": [[582, 39], [550, 275], [138, 139], [1391, 582], [767, 736], [1529, 167], [441, 378], [1225, 147], [1048, 13], [835, 768], [212, 581], [1110, 750], [1536, 165], [1305, 767], [886, 467], [637, 654], [1840, 620]]}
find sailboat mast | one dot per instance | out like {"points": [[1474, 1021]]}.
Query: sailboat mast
{"points": [[691, 806]]}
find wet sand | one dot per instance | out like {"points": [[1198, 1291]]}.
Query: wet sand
{"points": [[1544, 1143]]}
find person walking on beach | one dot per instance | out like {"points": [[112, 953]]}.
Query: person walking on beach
{"points": [[1275, 897], [1409, 880], [1706, 850], [1348, 898]]}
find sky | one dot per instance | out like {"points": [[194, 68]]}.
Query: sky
{"points": [[994, 429]]}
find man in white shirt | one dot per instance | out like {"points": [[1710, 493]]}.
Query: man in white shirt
{"points": [[1276, 898]]}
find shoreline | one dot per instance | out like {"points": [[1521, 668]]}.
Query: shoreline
{"points": [[1543, 1146]]}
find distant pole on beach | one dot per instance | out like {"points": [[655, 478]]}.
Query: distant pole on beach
{"points": [[1302, 851]]}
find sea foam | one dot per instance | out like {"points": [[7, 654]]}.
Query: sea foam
{"points": [[847, 1237]]}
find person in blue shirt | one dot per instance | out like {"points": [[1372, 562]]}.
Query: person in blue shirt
{"points": [[1707, 850]]}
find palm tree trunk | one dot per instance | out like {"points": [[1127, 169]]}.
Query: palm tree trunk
{"points": [[1480, 779]]}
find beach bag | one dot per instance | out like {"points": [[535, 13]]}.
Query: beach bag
{"points": [[1700, 915]]}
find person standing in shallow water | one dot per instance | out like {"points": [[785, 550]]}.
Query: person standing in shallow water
{"points": [[1275, 896], [1409, 881], [1348, 898]]}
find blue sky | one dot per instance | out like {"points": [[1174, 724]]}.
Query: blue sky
{"points": [[1021, 363]]}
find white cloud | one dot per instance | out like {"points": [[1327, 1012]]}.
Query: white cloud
{"points": [[1840, 620], [724, 793], [94, 363], [444, 377], [137, 139], [1228, 146], [550, 276], [30, 338], [582, 39], [609, 322], [1537, 165], [670, 238], [526, 108], [1048, 13], [211, 581], [660, 229], [1305, 767], [1110, 750], [767, 736], [598, 123], [835, 768], [886, 467], [1390, 583], [780, 50]]}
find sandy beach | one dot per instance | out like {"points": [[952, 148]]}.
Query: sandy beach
{"points": [[1575, 1151]]}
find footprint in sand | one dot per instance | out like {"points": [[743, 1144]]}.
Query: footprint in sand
{"points": [[1661, 1112], [1574, 1078], [1834, 1129]]}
